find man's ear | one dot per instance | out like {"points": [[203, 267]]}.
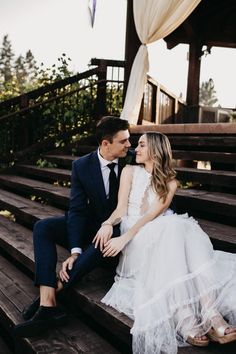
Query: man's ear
{"points": [[105, 143]]}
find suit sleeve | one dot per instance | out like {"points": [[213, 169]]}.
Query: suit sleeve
{"points": [[78, 209]]}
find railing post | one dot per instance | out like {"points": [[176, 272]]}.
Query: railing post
{"points": [[101, 107], [23, 133]]}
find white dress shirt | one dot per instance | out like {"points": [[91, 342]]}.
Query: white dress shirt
{"points": [[105, 176]]}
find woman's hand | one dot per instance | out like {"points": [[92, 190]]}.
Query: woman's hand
{"points": [[114, 246], [103, 236]]}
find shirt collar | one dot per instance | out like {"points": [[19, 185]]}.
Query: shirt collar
{"points": [[104, 162]]}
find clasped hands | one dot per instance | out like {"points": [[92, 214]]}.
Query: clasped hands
{"points": [[110, 247]]}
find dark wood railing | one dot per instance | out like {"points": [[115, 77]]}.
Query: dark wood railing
{"points": [[52, 114], [160, 106], [60, 110]]}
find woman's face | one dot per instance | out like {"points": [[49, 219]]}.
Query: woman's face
{"points": [[142, 155]]}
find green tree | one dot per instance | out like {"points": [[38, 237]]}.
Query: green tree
{"points": [[6, 61], [207, 93], [21, 74]]}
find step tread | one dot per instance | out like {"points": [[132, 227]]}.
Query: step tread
{"points": [[73, 337], [17, 241], [216, 197], [49, 172], [225, 157], [46, 190], [26, 208], [207, 172]]}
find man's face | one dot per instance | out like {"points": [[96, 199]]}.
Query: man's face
{"points": [[119, 146]]}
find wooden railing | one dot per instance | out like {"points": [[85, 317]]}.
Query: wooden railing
{"points": [[159, 106], [59, 110]]}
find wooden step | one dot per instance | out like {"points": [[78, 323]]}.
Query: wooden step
{"points": [[45, 173], [207, 177], [16, 240], [28, 212], [74, 337], [197, 202], [64, 161], [86, 296], [224, 157], [56, 194], [25, 210]]}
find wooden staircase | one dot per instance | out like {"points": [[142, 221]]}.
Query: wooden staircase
{"points": [[31, 193]]}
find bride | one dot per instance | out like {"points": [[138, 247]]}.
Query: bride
{"points": [[169, 280]]}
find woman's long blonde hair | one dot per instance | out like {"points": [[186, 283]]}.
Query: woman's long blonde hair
{"points": [[159, 151]]}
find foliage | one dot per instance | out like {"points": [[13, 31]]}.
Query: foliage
{"points": [[20, 75], [207, 94], [61, 115]]}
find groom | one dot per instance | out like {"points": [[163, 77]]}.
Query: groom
{"points": [[94, 187]]}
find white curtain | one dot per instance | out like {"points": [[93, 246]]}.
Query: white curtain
{"points": [[154, 19]]}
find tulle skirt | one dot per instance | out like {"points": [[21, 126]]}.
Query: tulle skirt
{"points": [[172, 283]]}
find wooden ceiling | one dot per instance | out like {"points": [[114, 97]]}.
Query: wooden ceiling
{"points": [[212, 23]]}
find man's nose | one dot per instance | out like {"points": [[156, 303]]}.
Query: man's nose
{"points": [[128, 143]]}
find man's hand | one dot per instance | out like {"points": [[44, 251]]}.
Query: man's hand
{"points": [[114, 246], [103, 236], [67, 265]]}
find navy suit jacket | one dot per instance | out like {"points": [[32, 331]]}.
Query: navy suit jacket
{"points": [[88, 203]]}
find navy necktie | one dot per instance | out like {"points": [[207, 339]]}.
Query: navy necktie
{"points": [[113, 186]]}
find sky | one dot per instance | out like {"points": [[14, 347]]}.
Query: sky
{"points": [[52, 27]]}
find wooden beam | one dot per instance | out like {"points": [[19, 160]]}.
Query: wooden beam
{"points": [[194, 73], [132, 43]]}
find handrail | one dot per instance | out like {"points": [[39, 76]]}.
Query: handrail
{"points": [[48, 88], [29, 120]]}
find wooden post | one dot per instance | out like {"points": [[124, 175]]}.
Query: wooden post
{"points": [[193, 82], [132, 44], [101, 108]]}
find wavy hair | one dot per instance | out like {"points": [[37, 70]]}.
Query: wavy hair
{"points": [[159, 151]]}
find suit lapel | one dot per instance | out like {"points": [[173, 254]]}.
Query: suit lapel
{"points": [[96, 174]]}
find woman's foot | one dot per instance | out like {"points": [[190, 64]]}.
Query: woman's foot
{"points": [[198, 340], [223, 334]]}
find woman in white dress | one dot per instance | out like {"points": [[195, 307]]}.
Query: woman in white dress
{"points": [[169, 280]]}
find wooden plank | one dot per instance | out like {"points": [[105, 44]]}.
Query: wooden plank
{"points": [[215, 143], [17, 241], [225, 157], [203, 128], [75, 337], [58, 195], [220, 206], [25, 210], [64, 161], [46, 173], [207, 177]]}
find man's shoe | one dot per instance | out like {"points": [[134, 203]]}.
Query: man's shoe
{"points": [[45, 318], [29, 311]]}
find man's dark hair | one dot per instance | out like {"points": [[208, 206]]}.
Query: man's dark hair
{"points": [[108, 127]]}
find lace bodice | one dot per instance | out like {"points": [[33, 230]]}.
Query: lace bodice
{"points": [[141, 194]]}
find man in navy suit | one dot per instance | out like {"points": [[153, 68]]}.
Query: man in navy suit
{"points": [[90, 204]]}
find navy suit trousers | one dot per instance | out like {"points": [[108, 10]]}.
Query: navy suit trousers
{"points": [[47, 233]]}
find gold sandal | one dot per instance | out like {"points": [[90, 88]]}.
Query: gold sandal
{"points": [[197, 342], [218, 335]]}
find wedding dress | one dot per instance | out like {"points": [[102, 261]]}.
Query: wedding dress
{"points": [[169, 279]]}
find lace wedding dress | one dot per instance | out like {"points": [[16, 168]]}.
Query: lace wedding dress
{"points": [[169, 279]]}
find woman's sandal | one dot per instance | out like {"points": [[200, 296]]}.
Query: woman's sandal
{"points": [[198, 342], [218, 335]]}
